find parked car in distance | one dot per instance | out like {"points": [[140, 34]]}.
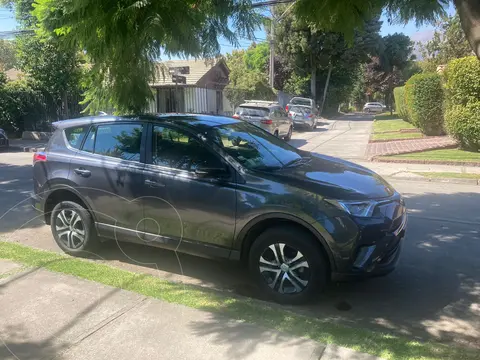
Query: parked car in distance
{"points": [[218, 187], [268, 115], [4, 142], [302, 116], [374, 107], [302, 101]]}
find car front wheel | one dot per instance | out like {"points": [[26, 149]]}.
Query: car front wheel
{"points": [[288, 265], [72, 228]]}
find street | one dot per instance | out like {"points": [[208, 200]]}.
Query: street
{"points": [[434, 292]]}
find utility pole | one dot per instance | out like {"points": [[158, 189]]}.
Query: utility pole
{"points": [[272, 49]]}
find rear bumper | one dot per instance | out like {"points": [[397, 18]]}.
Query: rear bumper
{"points": [[378, 257], [37, 203]]}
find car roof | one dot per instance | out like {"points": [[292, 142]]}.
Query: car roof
{"points": [[187, 120], [259, 103]]}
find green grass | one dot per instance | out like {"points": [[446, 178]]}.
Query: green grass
{"points": [[440, 175], [454, 155], [396, 135], [384, 345], [390, 123]]}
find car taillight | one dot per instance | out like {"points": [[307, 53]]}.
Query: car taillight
{"points": [[267, 121], [39, 156], [236, 116], [286, 108], [310, 116]]}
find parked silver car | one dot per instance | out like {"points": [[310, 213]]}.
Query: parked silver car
{"points": [[301, 101], [374, 107], [302, 116], [268, 115]]}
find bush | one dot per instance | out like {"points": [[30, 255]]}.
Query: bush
{"points": [[400, 105], [463, 80], [19, 104], [424, 102], [462, 117], [463, 123]]}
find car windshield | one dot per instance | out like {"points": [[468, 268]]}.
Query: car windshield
{"points": [[299, 101], [253, 147], [252, 111]]}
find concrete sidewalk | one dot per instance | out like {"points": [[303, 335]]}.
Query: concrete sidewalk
{"points": [[46, 315]]}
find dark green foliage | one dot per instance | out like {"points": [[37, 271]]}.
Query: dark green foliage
{"points": [[462, 117], [424, 102], [400, 104], [21, 106]]}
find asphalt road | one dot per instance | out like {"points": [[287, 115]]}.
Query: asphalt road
{"points": [[434, 293]]}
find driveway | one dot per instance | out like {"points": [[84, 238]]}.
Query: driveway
{"points": [[434, 293], [345, 137]]}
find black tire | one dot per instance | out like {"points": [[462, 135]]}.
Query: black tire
{"points": [[289, 134], [296, 242], [275, 133], [74, 219]]}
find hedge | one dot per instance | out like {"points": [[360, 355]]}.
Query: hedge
{"points": [[400, 104], [463, 123], [424, 102], [463, 80], [462, 116]]}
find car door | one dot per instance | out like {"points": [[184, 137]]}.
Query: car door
{"points": [[187, 208], [108, 174]]}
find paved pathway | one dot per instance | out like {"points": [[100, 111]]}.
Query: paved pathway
{"points": [[408, 146], [347, 137]]}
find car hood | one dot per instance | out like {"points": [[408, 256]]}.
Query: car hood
{"points": [[336, 179]]}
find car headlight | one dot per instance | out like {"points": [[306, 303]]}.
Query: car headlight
{"points": [[355, 208]]}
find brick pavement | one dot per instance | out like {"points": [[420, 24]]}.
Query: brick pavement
{"points": [[408, 146]]}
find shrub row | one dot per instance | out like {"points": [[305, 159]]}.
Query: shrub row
{"points": [[421, 102], [462, 116]]}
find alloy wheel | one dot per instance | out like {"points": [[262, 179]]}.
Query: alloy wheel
{"points": [[70, 228], [284, 268]]}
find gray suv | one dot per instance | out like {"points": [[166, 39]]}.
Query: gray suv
{"points": [[218, 187], [268, 115]]}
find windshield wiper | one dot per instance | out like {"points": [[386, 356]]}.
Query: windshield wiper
{"points": [[298, 162]]}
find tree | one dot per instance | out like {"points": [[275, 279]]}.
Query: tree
{"points": [[246, 81], [314, 53], [124, 37], [7, 55], [448, 43]]}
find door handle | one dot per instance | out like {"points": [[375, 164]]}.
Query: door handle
{"points": [[82, 172], [153, 183]]}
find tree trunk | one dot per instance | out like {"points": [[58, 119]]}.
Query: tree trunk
{"points": [[313, 83], [65, 104], [469, 12], [327, 82]]}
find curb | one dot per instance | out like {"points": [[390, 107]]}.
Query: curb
{"points": [[437, 180], [384, 159], [371, 141]]}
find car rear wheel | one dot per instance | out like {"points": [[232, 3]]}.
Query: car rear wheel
{"points": [[288, 265], [289, 134], [275, 133], [72, 228]]}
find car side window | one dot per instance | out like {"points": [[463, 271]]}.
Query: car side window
{"points": [[176, 149], [75, 135], [115, 140]]}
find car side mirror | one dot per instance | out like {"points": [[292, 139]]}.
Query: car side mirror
{"points": [[211, 171]]}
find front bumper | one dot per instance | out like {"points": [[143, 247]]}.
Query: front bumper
{"points": [[377, 257]]}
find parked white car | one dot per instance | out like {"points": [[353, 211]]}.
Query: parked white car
{"points": [[374, 107]]}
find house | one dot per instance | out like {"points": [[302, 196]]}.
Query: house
{"points": [[192, 86]]}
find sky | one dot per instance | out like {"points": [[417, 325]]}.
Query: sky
{"points": [[423, 33]]}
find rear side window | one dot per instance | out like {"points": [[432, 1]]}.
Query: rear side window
{"points": [[75, 135], [116, 140], [252, 111], [298, 101]]}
